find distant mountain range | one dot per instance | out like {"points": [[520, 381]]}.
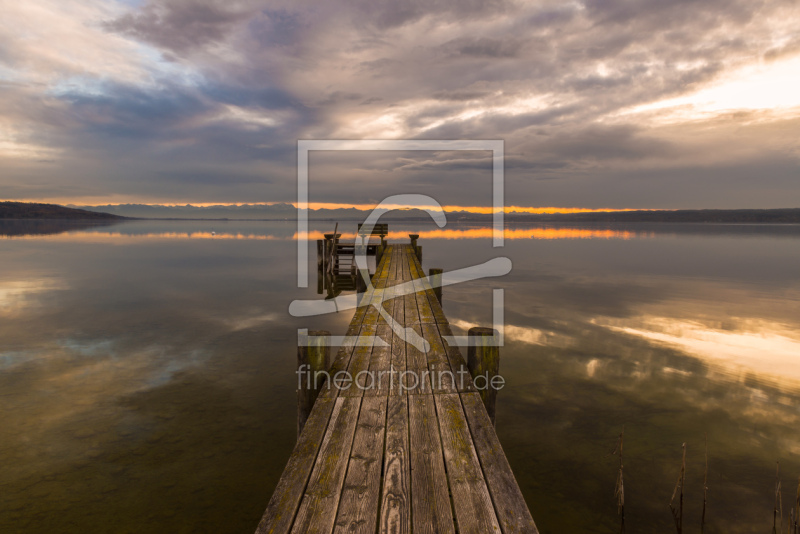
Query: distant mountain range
{"points": [[788, 215], [289, 212], [282, 211], [279, 211]]}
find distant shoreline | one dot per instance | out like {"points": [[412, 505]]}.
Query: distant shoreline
{"points": [[34, 211]]}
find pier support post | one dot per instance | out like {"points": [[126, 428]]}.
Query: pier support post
{"points": [[331, 252], [483, 361], [326, 252], [320, 266], [419, 253], [361, 284], [413, 238], [435, 276], [313, 362]]}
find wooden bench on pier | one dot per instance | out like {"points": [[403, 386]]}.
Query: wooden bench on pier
{"points": [[379, 229], [420, 455]]}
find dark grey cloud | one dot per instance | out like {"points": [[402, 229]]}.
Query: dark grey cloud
{"points": [[387, 14], [483, 47], [191, 90], [180, 25]]}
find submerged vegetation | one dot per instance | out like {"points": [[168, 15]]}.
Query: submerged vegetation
{"points": [[676, 502]]}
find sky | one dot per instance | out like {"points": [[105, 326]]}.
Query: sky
{"points": [[600, 103]]}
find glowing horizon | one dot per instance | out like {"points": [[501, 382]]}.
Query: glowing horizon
{"points": [[470, 233], [486, 210]]}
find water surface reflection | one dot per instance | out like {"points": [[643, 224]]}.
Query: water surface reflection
{"points": [[147, 381]]}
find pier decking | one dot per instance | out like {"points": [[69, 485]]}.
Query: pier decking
{"points": [[415, 453]]}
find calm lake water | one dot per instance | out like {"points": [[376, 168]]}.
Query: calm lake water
{"points": [[146, 370]]}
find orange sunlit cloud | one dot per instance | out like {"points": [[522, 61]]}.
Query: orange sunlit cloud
{"points": [[335, 205], [470, 233]]}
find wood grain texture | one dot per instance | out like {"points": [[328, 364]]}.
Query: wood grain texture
{"points": [[418, 377], [458, 364], [443, 380], [317, 510], [395, 505], [510, 506], [379, 380], [358, 507], [410, 310], [359, 362], [398, 365], [471, 500], [430, 500]]}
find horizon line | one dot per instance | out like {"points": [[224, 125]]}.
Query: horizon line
{"points": [[336, 205]]}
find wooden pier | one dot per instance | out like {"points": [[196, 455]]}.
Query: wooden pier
{"points": [[414, 451]]}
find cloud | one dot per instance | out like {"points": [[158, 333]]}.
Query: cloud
{"points": [[180, 25], [183, 89], [483, 47]]}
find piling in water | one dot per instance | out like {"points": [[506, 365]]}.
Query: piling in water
{"points": [[313, 358], [483, 361], [435, 276]]}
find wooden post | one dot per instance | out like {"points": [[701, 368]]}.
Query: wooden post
{"points": [[312, 358], [483, 360], [435, 276], [413, 238], [361, 284], [327, 244], [331, 252], [320, 266], [419, 253]]}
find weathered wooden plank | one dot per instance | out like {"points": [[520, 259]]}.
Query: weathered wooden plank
{"points": [[471, 500], [443, 380], [457, 362], [405, 274], [350, 357], [509, 504], [318, 508], [425, 310], [395, 505], [430, 501], [398, 265], [384, 267], [398, 312], [417, 377], [424, 284], [378, 381], [411, 309], [283, 505], [388, 297], [373, 298], [398, 365], [358, 508], [359, 363]]}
